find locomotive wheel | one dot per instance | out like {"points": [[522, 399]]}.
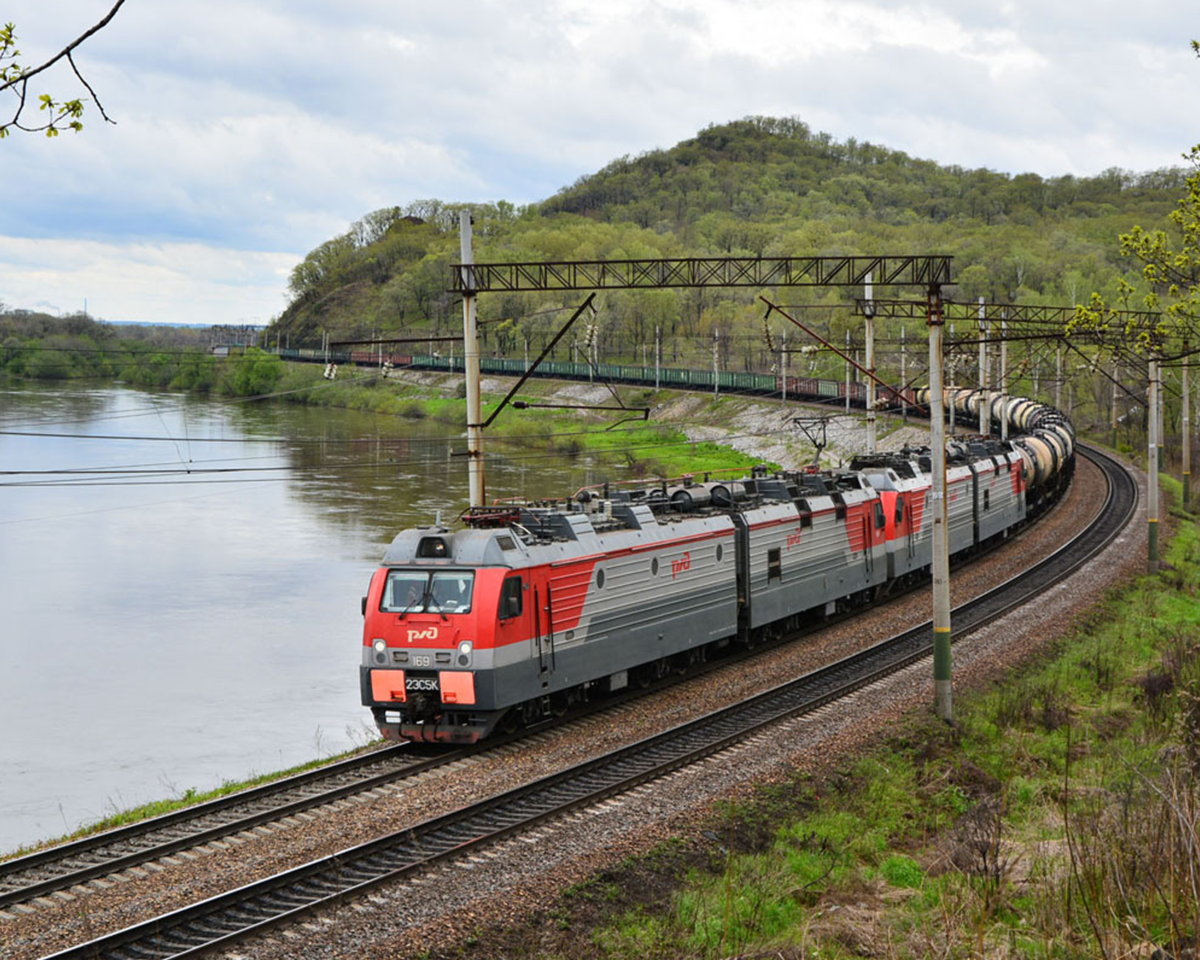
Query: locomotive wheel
{"points": [[510, 723]]}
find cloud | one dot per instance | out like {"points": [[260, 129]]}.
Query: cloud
{"points": [[273, 125], [166, 282]]}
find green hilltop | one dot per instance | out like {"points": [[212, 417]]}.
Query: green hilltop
{"points": [[754, 187]]}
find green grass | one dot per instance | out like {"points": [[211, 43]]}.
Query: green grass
{"points": [[953, 840], [635, 449]]}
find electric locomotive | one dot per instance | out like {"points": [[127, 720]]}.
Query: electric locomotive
{"points": [[528, 608]]}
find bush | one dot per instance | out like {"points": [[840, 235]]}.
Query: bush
{"points": [[902, 871], [252, 374]]}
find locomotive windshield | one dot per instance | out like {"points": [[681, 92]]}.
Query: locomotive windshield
{"points": [[418, 591]]}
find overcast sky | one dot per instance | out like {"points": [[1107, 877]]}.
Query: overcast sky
{"points": [[249, 132]]}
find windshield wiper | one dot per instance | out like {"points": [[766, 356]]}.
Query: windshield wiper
{"points": [[408, 606]]}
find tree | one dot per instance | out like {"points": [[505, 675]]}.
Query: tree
{"points": [[14, 79]]}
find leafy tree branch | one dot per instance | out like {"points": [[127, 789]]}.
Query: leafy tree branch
{"points": [[58, 114]]}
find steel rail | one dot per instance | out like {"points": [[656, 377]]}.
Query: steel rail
{"points": [[25, 878], [57, 868], [220, 921]]}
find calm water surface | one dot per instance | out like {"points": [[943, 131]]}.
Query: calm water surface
{"points": [[163, 631]]}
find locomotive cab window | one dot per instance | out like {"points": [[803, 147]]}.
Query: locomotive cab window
{"points": [[418, 591], [899, 511], [510, 598], [880, 520]]}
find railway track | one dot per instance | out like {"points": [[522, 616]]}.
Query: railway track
{"points": [[37, 875], [222, 920], [63, 866]]}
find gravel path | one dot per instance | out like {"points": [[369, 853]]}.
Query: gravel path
{"points": [[525, 873]]}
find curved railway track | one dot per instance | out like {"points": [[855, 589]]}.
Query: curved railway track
{"points": [[36, 875], [222, 920]]}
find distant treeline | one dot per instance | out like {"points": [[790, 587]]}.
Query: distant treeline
{"points": [[43, 347]]}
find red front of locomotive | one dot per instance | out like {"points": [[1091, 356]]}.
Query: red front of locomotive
{"points": [[429, 629]]}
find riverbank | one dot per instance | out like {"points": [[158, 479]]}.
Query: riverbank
{"points": [[685, 432]]}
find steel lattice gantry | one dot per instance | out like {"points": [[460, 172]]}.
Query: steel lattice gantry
{"points": [[924, 271], [966, 310]]}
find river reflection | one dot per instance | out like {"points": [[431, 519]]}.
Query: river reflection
{"points": [[164, 630]]}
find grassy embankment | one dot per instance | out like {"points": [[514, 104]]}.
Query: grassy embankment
{"points": [[188, 798], [1057, 818], [646, 449]]}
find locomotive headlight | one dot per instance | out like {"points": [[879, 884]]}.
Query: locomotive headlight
{"points": [[380, 646], [464, 653]]}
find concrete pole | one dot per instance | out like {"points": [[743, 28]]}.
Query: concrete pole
{"points": [[1162, 420], [1004, 375], [657, 354], [716, 369], [953, 405], [869, 322], [471, 365], [903, 378], [783, 360], [1114, 406], [527, 354], [847, 372], [1152, 469], [985, 404], [943, 698], [1187, 430]]}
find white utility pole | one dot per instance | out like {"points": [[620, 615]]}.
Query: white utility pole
{"points": [[716, 369], [1115, 419], [847, 372], [657, 354], [471, 364], [1004, 375], [903, 378], [985, 403], [1152, 469], [943, 695], [1187, 430], [783, 364], [953, 381], [869, 321]]}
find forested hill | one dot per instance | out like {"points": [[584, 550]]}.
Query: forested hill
{"points": [[758, 187], [768, 170]]}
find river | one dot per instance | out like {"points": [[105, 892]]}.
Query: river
{"points": [[165, 626]]}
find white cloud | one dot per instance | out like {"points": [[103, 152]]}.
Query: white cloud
{"points": [[272, 125], [167, 282]]}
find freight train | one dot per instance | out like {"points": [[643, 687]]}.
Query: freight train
{"points": [[728, 381], [531, 607]]}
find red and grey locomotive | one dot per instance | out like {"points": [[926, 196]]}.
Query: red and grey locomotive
{"points": [[530, 607]]}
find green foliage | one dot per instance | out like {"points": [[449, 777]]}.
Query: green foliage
{"points": [[57, 115], [253, 374], [754, 187]]}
